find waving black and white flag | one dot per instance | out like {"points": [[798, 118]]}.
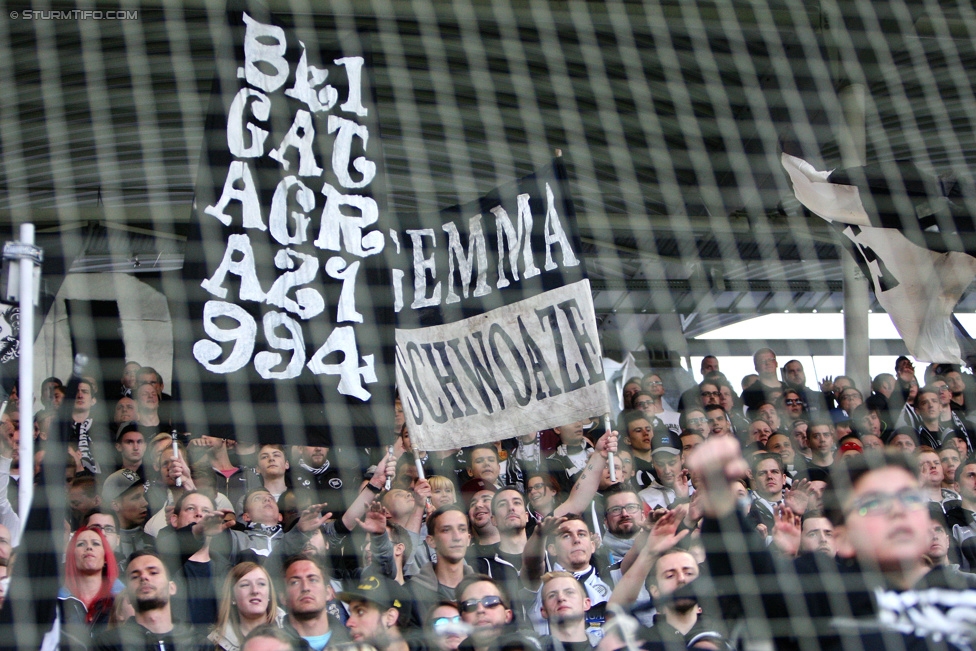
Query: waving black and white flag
{"points": [[286, 277], [910, 240], [496, 332]]}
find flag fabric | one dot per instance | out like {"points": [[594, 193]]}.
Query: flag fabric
{"points": [[9, 346], [287, 285], [918, 269], [496, 333]]}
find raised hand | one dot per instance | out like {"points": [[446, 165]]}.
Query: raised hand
{"points": [[664, 534], [214, 523], [374, 521], [607, 444], [786, 530], [312, 518], [798, 497]]}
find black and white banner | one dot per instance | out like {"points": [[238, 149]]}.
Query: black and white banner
{"points": [[496, 331], [291, 341], [918, 281]]}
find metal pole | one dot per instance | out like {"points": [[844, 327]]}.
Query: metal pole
{"points": [[26, 368]]}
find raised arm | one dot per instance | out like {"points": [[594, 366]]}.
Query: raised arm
{"points": [[585, 488], [356, 511]]}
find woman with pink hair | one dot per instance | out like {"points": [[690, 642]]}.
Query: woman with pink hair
{"points": [[90, 585]]}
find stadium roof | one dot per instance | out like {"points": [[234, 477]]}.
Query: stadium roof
{"points": [[671, 117]]}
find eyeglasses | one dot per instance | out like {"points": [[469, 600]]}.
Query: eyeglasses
{"points": [[442, 623], [535, 487], [710, 394], [471, 605], [697, 421], [876, 504], [942, 388], [655, 383], [792, 402], [631, 509], [104, 528], [643, 403]]}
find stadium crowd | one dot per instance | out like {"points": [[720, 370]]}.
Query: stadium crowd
{"points": [[805, 518]]}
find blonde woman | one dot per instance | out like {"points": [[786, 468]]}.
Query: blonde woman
{"points": [[249, 600], [442, 491]]}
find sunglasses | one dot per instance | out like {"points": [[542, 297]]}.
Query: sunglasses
{"points": [[471, 605], [442, 623]]}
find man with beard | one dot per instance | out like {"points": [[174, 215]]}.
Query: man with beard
{"points": [[307, 597], [152, 628], [374, 614], [318, 478], [510, 517], [623, 516], [677, 620]]}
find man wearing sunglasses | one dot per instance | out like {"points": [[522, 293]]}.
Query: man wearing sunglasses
{"points": [[487, 609], [887, 594]]}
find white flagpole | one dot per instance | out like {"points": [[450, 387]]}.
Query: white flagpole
{"points": [[26, 368], [613, 471]]}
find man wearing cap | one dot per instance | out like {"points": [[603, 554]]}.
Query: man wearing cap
{"points": [[374, 614], [307, 597], [125, 493], [449, 534], [131, 446], [671, 484]]}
